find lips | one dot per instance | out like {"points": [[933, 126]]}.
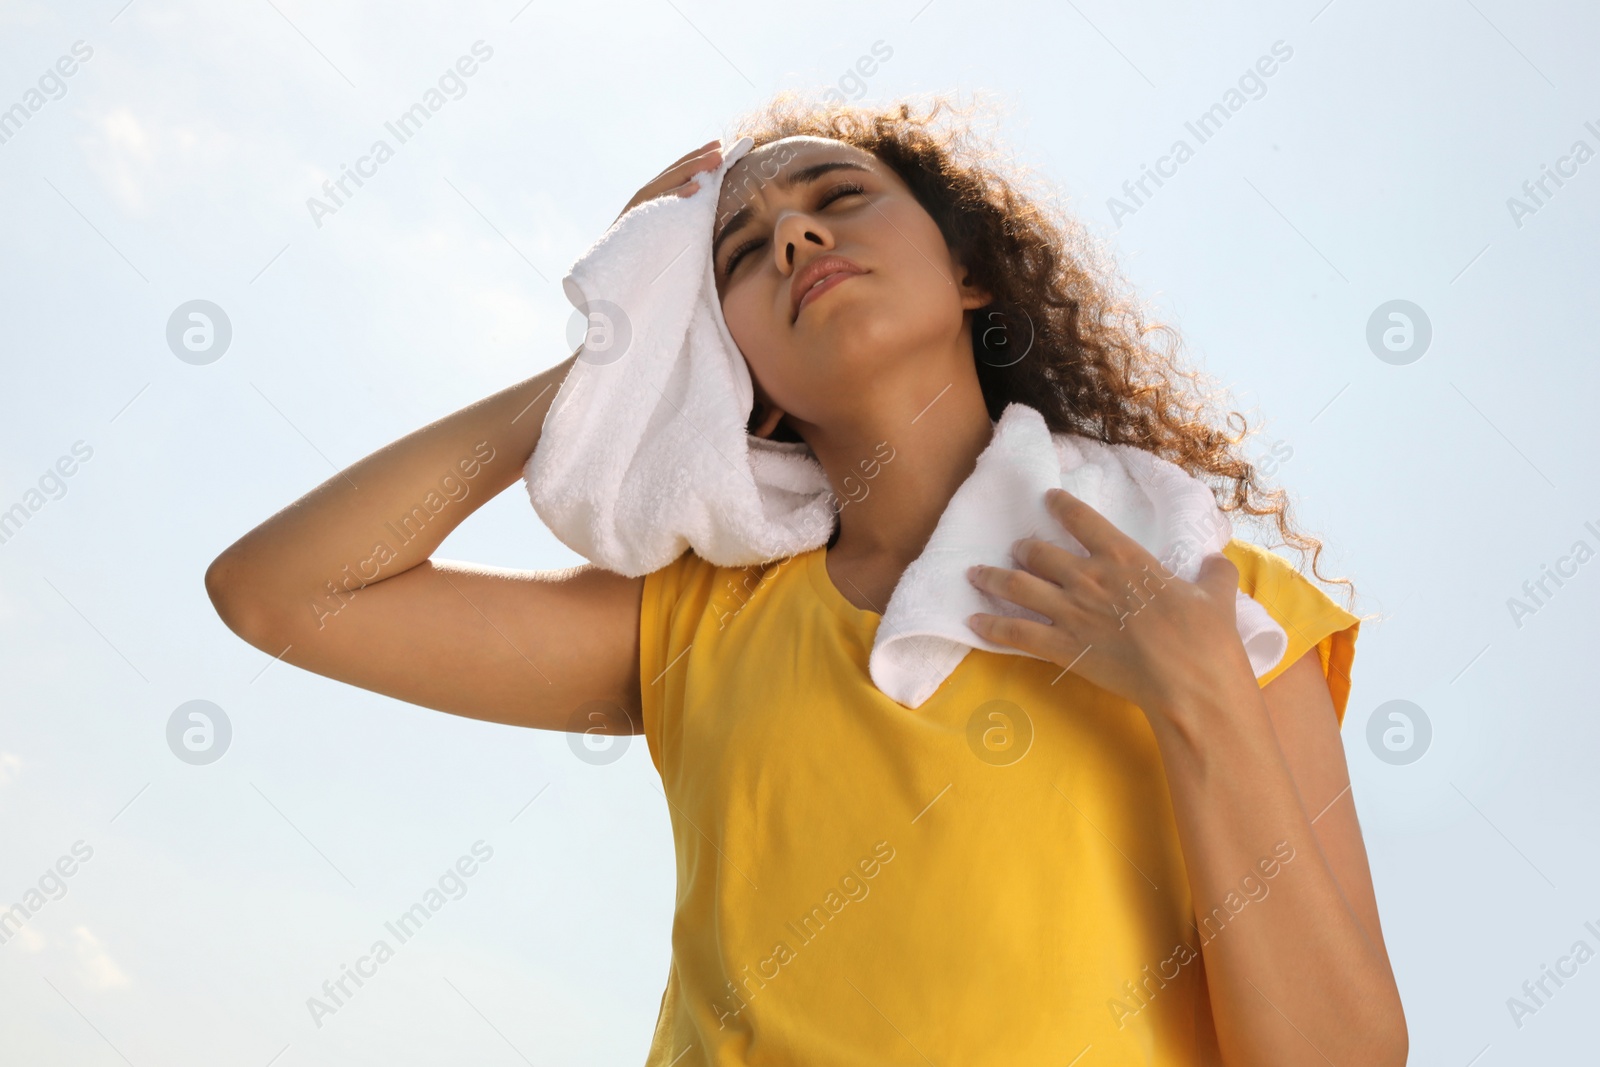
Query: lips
{"points": [[814, 272]]}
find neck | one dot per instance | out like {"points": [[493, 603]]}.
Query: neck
{"points": [[895, 465]]}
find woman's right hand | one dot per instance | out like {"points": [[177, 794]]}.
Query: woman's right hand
{"points": [[678, 179]]}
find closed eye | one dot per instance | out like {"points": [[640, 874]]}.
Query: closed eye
{"points": [[842, 190]]}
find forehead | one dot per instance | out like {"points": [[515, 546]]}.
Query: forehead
{"points": [[745, 179]]}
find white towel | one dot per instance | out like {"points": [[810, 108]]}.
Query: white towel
{"points": [[644, 450], [644, 453], [924, 632]]}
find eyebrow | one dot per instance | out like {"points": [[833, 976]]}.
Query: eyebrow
{"points": [[785, 181]]}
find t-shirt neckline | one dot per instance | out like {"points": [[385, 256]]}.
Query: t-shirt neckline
{"points": [[817, 567]]}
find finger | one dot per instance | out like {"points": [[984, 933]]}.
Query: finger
{"points": [[1048, 560], [1019, 587], [1025, 635], [1219, 575], [697, 160], [670, 187], [1093, 530], [680, 183], [715, 142], [710, 161], [691, 154]]}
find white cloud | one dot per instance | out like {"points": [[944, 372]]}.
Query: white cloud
{"points": [[124, 160], [99, 970]]}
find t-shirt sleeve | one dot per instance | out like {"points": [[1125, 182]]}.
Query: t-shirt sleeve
{"points": [[1309, 617], [671, 609]]}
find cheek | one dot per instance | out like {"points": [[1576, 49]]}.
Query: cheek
{"points": [[908, 306], [923, 260], [752, 331], [747, 323]]}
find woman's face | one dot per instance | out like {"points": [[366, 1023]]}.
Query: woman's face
{"points": [[900, 322]]}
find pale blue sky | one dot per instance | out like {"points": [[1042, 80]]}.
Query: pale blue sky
{"points": [[175, 164]]}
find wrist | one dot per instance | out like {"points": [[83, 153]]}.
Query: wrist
{"points": [[1204, 702]]}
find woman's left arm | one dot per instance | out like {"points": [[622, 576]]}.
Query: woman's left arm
{"points": [[1299, 974]]}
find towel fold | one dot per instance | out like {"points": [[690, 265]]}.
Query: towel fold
{"points": [[644, 453]]}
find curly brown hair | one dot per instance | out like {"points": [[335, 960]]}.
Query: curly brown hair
{"points": [[1087, 364]]}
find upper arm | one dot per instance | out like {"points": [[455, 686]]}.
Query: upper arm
{"points": [[526, 648], [1307, 726]]}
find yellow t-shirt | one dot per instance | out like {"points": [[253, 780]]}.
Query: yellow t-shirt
{"points": [[994, 877]]}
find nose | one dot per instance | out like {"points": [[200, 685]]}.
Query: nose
{"points": [[796, 228]]}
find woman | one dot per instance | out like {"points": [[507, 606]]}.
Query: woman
{"points": [[1126, 850]]}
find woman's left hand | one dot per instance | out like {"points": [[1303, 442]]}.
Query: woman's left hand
{"points": [[1119, 617]]}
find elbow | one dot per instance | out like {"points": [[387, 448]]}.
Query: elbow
{"points": [[1400, 1046], [1391, 1045], [218, 584], [227, 588], [1395, 1052], [1372, 1026]]}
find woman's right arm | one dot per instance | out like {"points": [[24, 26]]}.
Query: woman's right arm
{"points": [[340, 583]]}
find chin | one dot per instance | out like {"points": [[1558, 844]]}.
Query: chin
{"points": [[859, 330]]}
